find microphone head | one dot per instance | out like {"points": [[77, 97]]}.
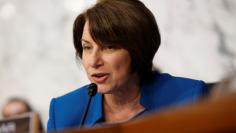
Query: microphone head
{"points": [[92, 89]]}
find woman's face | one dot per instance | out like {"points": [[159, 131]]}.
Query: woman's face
{"points": [[14, 108], [107, 67]]}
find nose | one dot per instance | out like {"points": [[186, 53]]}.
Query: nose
{"points": [[96, 60]]}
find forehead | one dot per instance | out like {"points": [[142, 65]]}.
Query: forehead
{"points": [[100, 36], [86, 36], [15, 104], [14, 108], [86, 29]]}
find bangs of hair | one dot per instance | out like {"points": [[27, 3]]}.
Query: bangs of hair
{"points": [[107, 26]]}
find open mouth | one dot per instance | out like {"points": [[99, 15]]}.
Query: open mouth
{"points": [[99, 77]]}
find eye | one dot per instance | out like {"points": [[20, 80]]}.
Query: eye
{"points": [[110, 47], [86, 46]]}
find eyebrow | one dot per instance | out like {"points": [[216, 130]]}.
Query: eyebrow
{"points": [[85, 41]]}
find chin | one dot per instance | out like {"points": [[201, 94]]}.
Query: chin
{"points": [[104, 89]]}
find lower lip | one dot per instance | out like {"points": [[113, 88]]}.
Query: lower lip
{"points": [[100, 79]]}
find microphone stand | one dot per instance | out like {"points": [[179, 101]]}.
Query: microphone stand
{"points": [[92, 90]]}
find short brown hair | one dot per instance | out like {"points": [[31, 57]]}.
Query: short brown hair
{"points": [[127, 24]]}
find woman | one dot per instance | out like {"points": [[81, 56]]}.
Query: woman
{"points": [[116, 41], [15, 106]]}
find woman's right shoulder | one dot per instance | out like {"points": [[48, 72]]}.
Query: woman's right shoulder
{"points": [[78, 94], [70, 106]]}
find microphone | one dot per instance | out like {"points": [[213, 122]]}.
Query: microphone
{"points": [[92, 90]]}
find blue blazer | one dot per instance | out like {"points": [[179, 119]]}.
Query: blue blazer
{"points": [[162, 91]]}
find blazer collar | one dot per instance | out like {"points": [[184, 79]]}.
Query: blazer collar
{"points": [[149, 88], [147, 99]]}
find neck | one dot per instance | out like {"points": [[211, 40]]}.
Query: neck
{"points": [[125, 95], [121, 100], [124, 103]]}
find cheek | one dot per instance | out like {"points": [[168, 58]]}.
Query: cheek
{"points": [[121, 66], [84, 64], [84, 59]]}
